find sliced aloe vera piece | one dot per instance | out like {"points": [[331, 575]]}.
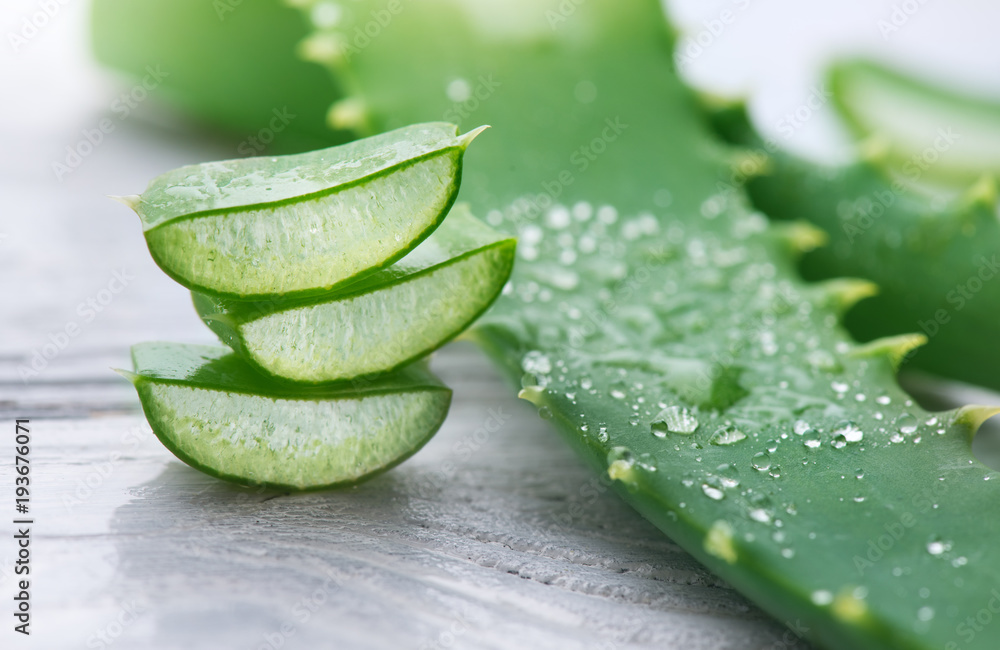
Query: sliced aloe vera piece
{"points": [[930, 133], [384, 321], [302, 224], [218, 415]]}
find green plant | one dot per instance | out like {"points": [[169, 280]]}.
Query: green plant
{"points": [[661, 327], [304, 224], [217, 415], [659, 323], [934, 262], [377, 324], [284, 228], [235, 66], [930, 135]]}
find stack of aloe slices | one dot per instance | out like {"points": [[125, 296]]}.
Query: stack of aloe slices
{"points": [[330, 274]]}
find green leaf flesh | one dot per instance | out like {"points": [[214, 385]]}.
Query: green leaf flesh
{"points": [[649, 296], [380, 323], [218, 415], [306, 223]]}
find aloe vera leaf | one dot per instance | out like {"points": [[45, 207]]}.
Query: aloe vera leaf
{"points": [[232, 65], [302, 224], [930, 133], [646, 301], [380, 323], [936, 267], [218, 415]]}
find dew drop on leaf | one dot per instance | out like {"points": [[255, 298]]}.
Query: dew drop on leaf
{"points": [[849, 431], [727, 435], [761, 461], [812, 439], [674, 419], [906, 424]]}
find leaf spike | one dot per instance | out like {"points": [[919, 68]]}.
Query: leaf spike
{"points": [[895, 348], [349, 114], [844, 293], [532, 394], [800, 236], [972, 416], [224, 319], [749, 163], [471, 135], [325, 48], [981, 194], [131, 376], [130, 200], [875, 150]]}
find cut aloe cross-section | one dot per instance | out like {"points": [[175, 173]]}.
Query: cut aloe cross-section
{"points": [[380, 323], [301, 224], [218, 415]]}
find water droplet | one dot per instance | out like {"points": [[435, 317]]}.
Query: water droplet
{"points": [[647, 462], [960, 561], [602, 433], [713, 492], [761, 461], [787, 553], [839, 442], [617, 393], [621, 464], [822, 597], [849, 431], [775, 471], [931, 422], [727, 435], [801, 427], [883, 400], [545, 413], [536, 363], [859, 499], [674, 419], [728, 475], [772, 446], [761, 515], [937, 547], [925, 613], [906, 424], [812, 440], [839, 387]]}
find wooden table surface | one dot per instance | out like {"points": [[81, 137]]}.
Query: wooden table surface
{"points": [[482, 540]]}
